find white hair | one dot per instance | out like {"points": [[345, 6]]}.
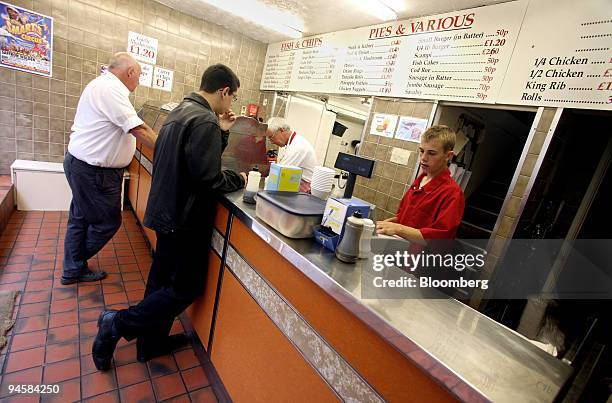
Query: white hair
{"points": [[121, 61], [277, 123]]}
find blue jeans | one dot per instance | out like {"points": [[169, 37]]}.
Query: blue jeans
{"points": [[95, 212]]}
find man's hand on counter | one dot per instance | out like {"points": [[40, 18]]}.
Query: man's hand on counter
{"points": [[393, 228], [388, 228], [227, 120], [244, 177]]}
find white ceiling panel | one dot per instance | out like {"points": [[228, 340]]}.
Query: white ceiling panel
{"points": [[319, 16]]}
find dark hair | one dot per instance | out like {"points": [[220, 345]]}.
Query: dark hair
{"points": [[219, 76]]}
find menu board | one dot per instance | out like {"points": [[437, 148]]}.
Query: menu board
{"points": [[565, 59], [454, 56]]}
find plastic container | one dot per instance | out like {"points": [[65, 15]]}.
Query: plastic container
{"points": [[366, 238], [292, 214], [252, 186]]}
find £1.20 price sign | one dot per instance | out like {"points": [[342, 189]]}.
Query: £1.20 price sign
{"points": [[143, 48]]}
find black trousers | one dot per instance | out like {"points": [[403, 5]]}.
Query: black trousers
{"points": [[177, 277], [95, 212]]}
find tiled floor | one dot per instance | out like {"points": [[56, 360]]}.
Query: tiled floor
{"points": [[55, 324]]}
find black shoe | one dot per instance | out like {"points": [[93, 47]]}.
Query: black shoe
{"points": [[106, 340], [85, 277], [146, 352]]}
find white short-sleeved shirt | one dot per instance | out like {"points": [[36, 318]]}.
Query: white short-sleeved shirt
{"points": [[104, 116], [300, 152]]}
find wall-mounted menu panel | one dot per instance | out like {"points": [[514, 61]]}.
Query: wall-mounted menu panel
{"points": [[563, 57], [465, 59], [537, 52], [455, 56]]}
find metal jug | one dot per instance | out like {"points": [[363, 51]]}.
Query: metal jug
{"points": [[348, 249]]}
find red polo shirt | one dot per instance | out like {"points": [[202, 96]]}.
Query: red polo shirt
{"points": [[435, 209]]}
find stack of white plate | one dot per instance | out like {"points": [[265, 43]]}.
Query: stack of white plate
{"points": [[322, 182]]}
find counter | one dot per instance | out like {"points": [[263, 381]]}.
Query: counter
{"points": [[368, 350], [282, 320]]}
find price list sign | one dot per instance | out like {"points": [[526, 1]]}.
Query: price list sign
{"points": [[459, 56], [278, 68], [369, 66], [142, 47], [317, 63], [569, 67]]}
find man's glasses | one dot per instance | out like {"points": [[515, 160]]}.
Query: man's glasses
{"points": [[234, 96]]}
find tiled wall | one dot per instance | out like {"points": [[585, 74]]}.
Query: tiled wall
{"points": [[36, 112], [390, 180]]}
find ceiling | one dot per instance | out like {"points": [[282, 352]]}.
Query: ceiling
{"points": [[320, 16]]}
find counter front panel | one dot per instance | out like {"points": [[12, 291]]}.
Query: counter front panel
{"points": [[350, 338], [201, 311], [254, 360]]}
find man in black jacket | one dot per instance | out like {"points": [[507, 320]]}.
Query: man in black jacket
{"points": [[186, 177]]}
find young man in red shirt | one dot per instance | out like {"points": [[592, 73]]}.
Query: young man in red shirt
{"points": [[433, 206]]}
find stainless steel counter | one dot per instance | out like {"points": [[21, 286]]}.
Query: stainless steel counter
{"points": [[480, 354]]}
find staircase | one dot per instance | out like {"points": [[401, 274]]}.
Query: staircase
{"points": [[482, 210]]}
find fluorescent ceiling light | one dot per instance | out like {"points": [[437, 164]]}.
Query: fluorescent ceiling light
{"points": [[378, 9], [262, 14]]}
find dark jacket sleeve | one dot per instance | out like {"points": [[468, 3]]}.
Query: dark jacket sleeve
{"points": [[225, 139], [203, 149]]}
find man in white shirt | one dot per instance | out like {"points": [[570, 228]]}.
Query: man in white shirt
{"points": [[298, 151], [102, 144]]}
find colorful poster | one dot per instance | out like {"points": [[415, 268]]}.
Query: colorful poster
{"points": [[143, 48], [26, 40], [383, 125], [146, 74], [410, 128], [162, 79]]}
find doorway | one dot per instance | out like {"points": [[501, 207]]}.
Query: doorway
{"points": [[489, 145], [570, 200]]}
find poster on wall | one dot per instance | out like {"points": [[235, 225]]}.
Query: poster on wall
{"points": [[410, 129], [143, 48], [162, 79], [26, 40], [146, 74], [383, 125]]}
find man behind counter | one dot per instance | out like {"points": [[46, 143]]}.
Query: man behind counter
{"points": [[298, 152], [433, 206], [186, 177]]}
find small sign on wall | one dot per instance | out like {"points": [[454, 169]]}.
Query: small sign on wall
{"points": [[143, 48], [400, 156], [410, 129], [146, 74], [383, 125], [162, 79]]}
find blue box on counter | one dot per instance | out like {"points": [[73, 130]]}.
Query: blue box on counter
{"points": [[326, 237], [337, 210]]}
